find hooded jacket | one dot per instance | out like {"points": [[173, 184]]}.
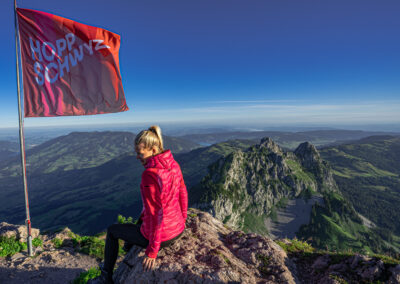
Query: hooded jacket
{"points": [[165, 201]]}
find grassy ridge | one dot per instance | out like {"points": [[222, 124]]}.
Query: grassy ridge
{"points": [[368, 174], [337, 226]]}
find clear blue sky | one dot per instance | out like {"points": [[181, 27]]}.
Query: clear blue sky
{"points": [[245, 62]]}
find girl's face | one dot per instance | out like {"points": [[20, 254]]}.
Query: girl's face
{"points": [[142, 153]]}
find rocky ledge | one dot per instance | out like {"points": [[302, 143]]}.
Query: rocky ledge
{"points": [[50, 264], [209, 252]]}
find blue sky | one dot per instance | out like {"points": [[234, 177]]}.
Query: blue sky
{"points": [[236, 62]]}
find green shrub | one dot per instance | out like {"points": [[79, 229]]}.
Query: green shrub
{"points": [[123, 220], [295, 246], [387, 259], [10, 246], [92, 246], [37, 242], [84, 277], [57, 242]]}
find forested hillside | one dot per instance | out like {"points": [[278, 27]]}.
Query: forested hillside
{"points": [[368, 174]]}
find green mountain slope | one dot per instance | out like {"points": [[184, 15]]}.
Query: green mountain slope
{"points": [[8, 149], [244, 188], [368, 174], [89, 199], [289, 140], [337, 226], [79, 150]]}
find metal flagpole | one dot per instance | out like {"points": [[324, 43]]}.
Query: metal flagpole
{"points": [[22, 139]]}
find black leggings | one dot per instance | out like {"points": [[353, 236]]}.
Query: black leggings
{"points": [[129, 233]]}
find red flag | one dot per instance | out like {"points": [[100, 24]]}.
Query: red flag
{"points": [[68, 68]]}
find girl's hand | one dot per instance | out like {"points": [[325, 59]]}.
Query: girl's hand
{"points": [[148, 263]]}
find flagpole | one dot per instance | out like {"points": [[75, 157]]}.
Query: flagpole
{"points": [[22, 140]]}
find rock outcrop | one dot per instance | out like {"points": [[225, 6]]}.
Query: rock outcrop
{"points": [[312, 162], [247, 185], [19, 232], [342, 268], [50, 263], [209, 252]]}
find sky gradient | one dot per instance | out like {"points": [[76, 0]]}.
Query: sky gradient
{"points": [[237, 62]]}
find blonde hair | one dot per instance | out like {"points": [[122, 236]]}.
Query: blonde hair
{"points": [[151, 137]]}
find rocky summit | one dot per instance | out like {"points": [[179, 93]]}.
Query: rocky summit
{"points": [[209, 252]]}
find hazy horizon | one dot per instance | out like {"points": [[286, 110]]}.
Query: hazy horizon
{"points": [[233, 62]]}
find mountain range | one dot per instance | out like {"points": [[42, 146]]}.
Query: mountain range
{"points": [[84, 180]]}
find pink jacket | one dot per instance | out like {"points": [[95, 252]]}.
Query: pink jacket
{"points": [[165, 201]]}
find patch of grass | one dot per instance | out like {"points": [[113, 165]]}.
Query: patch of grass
{"points": [[84, 277], [57, 242], [225, 258], [226, 219], [192, 215], [91, 245], [10, 246], [296, 246], [307, 193], [387, 259], [273, 214], [282, 203], [299, 172], [265, 260], [338, 279], [37, 242], [254, 223], [123, 220]]}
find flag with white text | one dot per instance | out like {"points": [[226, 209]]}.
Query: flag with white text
{"points": [[69, 68]]}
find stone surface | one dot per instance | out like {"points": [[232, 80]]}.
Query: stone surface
{"points": [[395, 279], [19, 232], [48, 265], [209, 252]]}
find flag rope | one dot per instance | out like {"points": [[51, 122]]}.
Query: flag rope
{"points": [[22, 138]]}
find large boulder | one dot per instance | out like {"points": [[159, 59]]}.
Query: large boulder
{"points": [[19, 232], [209, 252]]}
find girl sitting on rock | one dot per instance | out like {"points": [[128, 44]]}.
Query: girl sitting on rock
{"points": [[165, 202]]}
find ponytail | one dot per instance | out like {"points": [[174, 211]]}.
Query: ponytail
{"points": [[151, 137]]}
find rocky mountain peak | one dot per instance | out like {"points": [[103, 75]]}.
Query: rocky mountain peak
{"points": [[312, 161], [268, 143], [307, 152]]}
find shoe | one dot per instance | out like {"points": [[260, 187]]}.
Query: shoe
{"points": [[104, 278]]}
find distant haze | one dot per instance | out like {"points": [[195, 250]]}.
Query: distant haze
{"points": [[242, 64]]}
